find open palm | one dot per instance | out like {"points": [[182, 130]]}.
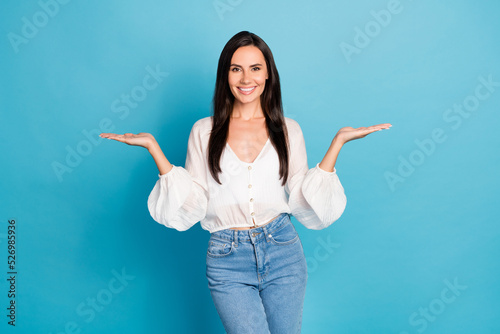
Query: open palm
{"points": [[141, 139], [348, 133]]}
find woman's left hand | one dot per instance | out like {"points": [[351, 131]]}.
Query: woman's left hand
{"points": [[348, 133]]}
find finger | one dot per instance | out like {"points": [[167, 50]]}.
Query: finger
{"points": [[378, 128], [371, 130], [106, 134], [110, 135], [383, 125], [116, 137]]}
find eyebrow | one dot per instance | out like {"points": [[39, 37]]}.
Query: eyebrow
{"points": [[250, 65]]}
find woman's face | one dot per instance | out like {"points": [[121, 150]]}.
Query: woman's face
{"points": [[247, 74]]}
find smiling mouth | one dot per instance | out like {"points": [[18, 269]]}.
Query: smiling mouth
{"points": [[247, 91]]}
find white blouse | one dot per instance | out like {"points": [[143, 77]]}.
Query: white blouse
{"points": [[249, 191]]}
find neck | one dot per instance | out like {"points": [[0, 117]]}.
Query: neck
{"points": [[247, 111]]}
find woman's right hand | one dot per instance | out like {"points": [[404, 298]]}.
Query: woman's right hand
{"points": [[145, 140], [141, 139]]}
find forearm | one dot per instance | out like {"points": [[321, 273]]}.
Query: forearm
{"points": [[164, 166], [330, 158]]}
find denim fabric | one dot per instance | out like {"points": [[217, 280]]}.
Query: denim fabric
{"points": [[257, 278]]}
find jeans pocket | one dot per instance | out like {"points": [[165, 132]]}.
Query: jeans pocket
{"points": [[219, 247], [284, 235]]}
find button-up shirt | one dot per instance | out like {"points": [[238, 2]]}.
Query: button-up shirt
{"points": [[250, 193]]}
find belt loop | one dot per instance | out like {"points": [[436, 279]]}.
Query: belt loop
{"points": [[265, 233], [235, 239]]}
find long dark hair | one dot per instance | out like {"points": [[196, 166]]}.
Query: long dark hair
{"points": [[270, 101]]}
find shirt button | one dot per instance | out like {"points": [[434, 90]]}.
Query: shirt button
{"points": [[253, 213], [249, 186], [249, 167], [251, 199]]}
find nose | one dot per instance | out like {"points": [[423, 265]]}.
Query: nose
{"points": [[245, 78]]}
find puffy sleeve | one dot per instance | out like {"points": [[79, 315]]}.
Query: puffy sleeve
{"points": [[179, 198], [316, 197]]}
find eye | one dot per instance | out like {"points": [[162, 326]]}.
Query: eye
{"points": [[256, 68], [234, 69]]}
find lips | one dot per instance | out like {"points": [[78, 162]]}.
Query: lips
{"points": [[247, 90]]}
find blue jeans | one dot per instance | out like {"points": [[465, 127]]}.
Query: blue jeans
{"points": [[257, 278]]}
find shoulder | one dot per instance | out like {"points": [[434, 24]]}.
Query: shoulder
{"points": [[292, 126], [202, 127], [203, 123], [200, 132]]}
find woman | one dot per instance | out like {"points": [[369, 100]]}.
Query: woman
{"points": [[246, 173]]}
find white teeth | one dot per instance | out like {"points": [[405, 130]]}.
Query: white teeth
{"points": [[247, 89]]}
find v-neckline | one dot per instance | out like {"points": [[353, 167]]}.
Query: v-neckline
{"points": [[258, 156]]}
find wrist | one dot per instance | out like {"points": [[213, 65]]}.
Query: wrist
{"points": [[337, 142], [153, 146]]}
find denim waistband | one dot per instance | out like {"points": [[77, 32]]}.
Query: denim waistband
{"points": [[255, 233]]}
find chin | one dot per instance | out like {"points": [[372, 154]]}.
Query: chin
{"points": [[247, 101]]}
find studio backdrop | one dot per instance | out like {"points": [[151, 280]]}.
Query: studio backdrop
{"points": [[417, 248]]}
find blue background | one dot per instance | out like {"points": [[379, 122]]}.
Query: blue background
{"points": [[388, 259]]}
